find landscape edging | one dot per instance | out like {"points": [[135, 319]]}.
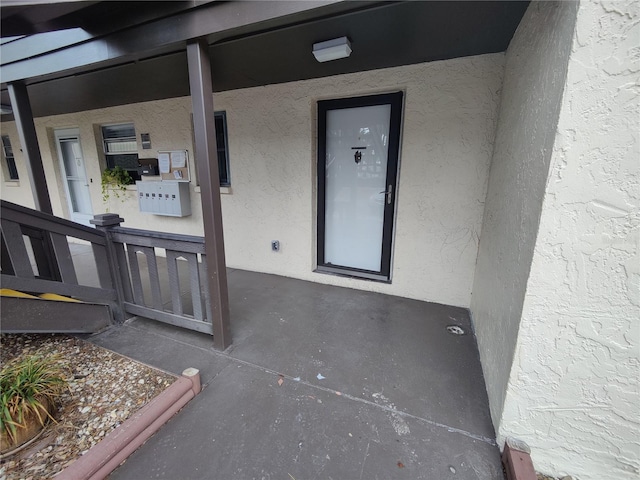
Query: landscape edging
{"points": [[106, 455]]}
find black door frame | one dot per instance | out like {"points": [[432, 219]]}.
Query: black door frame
{"points": [[395, 100]]}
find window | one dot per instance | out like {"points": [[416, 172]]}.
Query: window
{"points": [[8, 156], [223, 151], [121, 148]]}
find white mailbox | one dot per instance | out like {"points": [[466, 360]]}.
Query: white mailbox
{"points": [[168, 198]]}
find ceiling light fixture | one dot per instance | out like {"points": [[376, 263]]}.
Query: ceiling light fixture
{"points": [[5, 109], [332, 49]]}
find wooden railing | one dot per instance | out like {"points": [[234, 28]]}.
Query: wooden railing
{"points": [[36, 256], [132, 266], [165, 255]]}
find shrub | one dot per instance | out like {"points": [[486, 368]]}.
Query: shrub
{"points": [[28, 389]]}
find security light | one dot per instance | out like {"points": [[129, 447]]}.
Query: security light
{"points": [[332, 49]]}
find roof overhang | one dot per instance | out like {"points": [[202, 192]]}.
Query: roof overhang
{"points": [[96, 64]]}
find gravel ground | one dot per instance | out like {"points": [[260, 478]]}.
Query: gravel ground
{"points": [[104, 390]]}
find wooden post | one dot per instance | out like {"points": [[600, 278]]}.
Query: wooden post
{"points": [[104, 222], [29, 140], [206, 156]]}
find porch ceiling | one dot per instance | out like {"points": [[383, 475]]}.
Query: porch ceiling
{"points": [[382, 35]]}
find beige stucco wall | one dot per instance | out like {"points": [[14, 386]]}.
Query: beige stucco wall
{"points": [[535, 74], [573, 392], [449, 126], [14, 191]]}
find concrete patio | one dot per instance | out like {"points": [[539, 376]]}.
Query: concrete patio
{"points": [[374, 387]]}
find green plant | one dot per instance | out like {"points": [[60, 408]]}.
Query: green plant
{"points": [[115, 180], [28, 389]]}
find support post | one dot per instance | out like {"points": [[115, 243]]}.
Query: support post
{"points": [[104, 222], [29, 140], [206, 156]]}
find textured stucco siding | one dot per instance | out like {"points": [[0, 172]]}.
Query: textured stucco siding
{"points": [[448, 131], [12, 191], [573, 393], [535, 73]]}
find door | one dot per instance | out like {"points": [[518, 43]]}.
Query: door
{"points": [[75, 175], [358, 146]]}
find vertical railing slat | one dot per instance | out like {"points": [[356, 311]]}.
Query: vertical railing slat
{"points": [[194, 279], [16, 249], [123, 268], [138, 295], [5, 259], [63, 258], [102, 264], [154, 277], [174, 281], [41, 253]]}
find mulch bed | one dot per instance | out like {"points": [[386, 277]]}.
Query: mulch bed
{"points": [[104, 390]]}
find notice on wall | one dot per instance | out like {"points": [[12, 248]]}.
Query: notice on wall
{"points": [[164, 162], [174, 165], [178, 159]]}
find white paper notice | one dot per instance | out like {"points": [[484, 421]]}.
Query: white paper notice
{"points": [[178, 159], [164, 163]]}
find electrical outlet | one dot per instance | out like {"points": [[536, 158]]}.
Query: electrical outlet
{"points": [[275, 245]]}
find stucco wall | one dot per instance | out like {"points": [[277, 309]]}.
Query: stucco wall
{"points": [[535, 73], [12, 191], [449, 127], [573, 394]]}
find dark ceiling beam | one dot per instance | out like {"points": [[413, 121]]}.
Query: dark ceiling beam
{"points": [[40, 43], [212, 20], [96, 17], [94, 20], [27, 18]]}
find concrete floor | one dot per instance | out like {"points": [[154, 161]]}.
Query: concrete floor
{"points": [[374, 387]]}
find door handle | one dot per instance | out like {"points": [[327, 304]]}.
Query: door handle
{"points": [[388, 193]]}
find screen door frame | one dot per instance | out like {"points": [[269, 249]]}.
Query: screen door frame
{"points": [[395, 100], [73, 134]]}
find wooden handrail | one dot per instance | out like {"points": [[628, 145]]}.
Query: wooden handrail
{"points": [[116, 251], [48, 244], [44, 221]]}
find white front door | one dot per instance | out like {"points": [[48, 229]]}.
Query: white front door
{"points": [[75, 175], [357, 166]]}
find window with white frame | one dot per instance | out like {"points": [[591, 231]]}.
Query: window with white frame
{"points": [[7, 150], [121, 147]]}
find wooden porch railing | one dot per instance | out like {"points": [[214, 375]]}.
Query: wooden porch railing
{"points": [[36, 257], [131, 247]]}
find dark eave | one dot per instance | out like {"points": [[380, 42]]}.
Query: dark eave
{"points": [[253, 44], [19, 18], [215, 21]]}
